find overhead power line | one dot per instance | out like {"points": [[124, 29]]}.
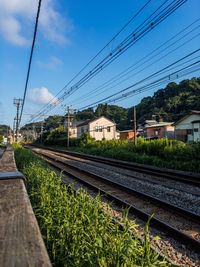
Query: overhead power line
{"points": [[141, 81], [30, 59], [107, 85], [100, 51], [160, 14]]}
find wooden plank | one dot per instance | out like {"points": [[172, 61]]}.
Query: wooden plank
{"points": [[21, 243]]}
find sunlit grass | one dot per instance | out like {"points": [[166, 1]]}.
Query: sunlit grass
{"points": [[75, 228]]}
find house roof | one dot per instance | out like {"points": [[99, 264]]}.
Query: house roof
{"points": [[159, 124], [197, 112], [92, 120], [149, 122], [84, 123], [126, 131]]}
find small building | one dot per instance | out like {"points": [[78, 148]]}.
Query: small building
{"points": [[126, 134], [72, 127], [100, 128], [159, 130], [188, 127]]}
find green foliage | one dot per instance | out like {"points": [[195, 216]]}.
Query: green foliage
{"points": [[58, 136], [161, 152], [1, 138], [76, 230], [170, 103]]}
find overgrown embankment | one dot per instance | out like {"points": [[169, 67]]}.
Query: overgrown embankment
{"points": [[161, 152], [75, 229]]}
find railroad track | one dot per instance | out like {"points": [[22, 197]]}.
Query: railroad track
{"points": [[184, 177], [178, 223]]}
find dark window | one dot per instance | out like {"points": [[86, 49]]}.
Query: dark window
{"points": [[96, 129], [189, 131], [108, 129], [196, 130], [100, 128], [82, 129]]}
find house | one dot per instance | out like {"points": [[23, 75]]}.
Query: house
{"points": [[72, 127], [126, 134], [100, 128], [188, 127], [159, 130]]}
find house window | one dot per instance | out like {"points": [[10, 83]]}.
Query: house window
{"points": [[189, 131], [157, 132], [100, 128], [96, 129], [108, 129], [82, 129], [196, 130]]}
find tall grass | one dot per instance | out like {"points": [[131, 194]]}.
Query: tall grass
{"points": [[76, 230], [161, 152]]}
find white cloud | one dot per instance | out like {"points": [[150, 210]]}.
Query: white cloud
{"points": [[52, 63], [41, 96], [17, 18]]}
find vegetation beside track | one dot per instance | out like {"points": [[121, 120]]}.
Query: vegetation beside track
{"points": [[75, 229], [164, 153]]}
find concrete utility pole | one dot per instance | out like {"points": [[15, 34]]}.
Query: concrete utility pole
{"points": [[135, 138], [18, 103]]}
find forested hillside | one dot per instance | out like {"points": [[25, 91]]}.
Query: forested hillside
{"points": [[168, 104], [172, 102]]}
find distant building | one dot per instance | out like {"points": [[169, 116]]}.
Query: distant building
{"points": [[126, 134], [188, 128], [159, 130], [100, 128], [72, 127]]}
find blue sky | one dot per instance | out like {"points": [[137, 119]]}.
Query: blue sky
{"points": [[70, 33]]}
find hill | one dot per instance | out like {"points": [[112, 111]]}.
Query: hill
{"points": [[172, 102]]}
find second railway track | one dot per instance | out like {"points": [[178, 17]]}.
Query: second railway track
{"points": [[174, 175]]}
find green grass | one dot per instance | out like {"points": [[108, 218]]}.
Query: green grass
{"points": [[162, 152], [76, 230]]}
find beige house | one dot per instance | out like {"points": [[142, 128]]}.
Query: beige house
{"points": [[188, 128], [100, 128]]}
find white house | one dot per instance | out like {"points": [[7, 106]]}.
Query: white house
{"points": [[100, 128], [188, 128]]}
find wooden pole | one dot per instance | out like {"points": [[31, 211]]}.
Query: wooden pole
{"points": [[135, 139], [68, 122]]}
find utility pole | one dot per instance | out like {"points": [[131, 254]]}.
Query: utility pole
{"points": [[14, 124], [135, 138], [68, 122], [18, 103], [41, 132]]}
